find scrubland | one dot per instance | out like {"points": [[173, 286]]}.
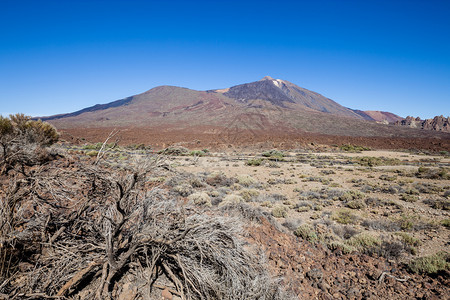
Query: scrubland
{"points": [[130, 222]]}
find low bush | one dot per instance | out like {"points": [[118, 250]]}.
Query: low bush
{"points": [[345, 216], [246, 180], [369, 161], [382, 225], [219, 179], [353, 148], [433, 173], [344, 231], [351, 195], [273, 154], [249, 194], [254, 162], [279, 211], [197, 153], [92, 153], [431, 264], [443, 204], [175, 151], [200, 198], [445, 223], [364, 241], [355, 204], [231, 199], [409, 198], [183, 189], [388, 178], [408, 239], [306, 232]]}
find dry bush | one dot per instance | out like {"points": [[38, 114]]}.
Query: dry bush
{"points": [[86, 232]]}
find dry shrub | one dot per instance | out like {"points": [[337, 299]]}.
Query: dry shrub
{"points": [[89, 231]]}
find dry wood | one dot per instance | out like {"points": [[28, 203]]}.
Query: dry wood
{"points": [[77, 278]]}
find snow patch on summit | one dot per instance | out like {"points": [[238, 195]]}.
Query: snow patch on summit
{"points": [[277, 82]]}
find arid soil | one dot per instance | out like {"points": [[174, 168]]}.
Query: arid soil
{"points": [[220, 139], [333, 223]]}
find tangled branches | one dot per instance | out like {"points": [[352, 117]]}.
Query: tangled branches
{"points": [[93, 233]]}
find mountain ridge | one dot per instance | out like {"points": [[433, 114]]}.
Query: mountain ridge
{"points": [[265, 107]]}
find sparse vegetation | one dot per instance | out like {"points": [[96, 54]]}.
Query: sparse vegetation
{"points": [[431, 264], [306, 232], [279, 211], [207, 195], [23, 141], [254, 162], [345, 216], [353, 148]]}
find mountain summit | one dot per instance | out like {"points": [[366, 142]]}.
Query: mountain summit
{"points": [[281, 93]]}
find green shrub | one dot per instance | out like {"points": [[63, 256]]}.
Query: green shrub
{"points": [[183, 189], [408, 239], [200, 198], [273, 155], [409, 198], [352, 195], [197, 153], [433, 173], [355, 204], [92, 153], [249, 194], [231, 199], [344, 247], [364, 241], [306, 232], [407, 222], [370, 161], [344, 216], [388, 178], [279, 211], [446, 223], [246, 180], [254, 162], [431, 264], [353, 148], [176, 151]]}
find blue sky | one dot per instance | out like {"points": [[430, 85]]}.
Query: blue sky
{"points": [[62, 56]]}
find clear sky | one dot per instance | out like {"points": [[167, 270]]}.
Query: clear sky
{"points": [[62, 56]]}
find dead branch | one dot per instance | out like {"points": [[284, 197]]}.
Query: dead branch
{"points": [[77, 278], [384, 274], [101, 153]]}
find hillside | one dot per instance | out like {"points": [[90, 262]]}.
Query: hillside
{"points": [[378, 116]]}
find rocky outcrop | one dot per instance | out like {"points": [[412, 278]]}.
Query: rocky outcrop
{"points": [[438, 123]]}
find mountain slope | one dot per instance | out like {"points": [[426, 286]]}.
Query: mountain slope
{"points": [[378, 116]]}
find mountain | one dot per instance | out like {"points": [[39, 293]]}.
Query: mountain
{"points": [[282, 93], [378, 116], [268, 108]]}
